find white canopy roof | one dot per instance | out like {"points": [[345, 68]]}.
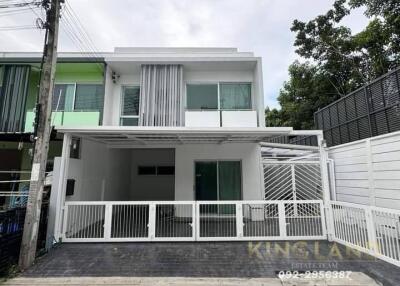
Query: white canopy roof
{"points": [[121, 136]]}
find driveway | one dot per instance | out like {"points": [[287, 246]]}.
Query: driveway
{"points": [[231, 260]]}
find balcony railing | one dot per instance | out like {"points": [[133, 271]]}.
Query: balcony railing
{"points": [[66, 118], [221, 118]]}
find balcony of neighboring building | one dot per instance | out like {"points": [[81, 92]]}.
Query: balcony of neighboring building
{"points": [[78, 95]]}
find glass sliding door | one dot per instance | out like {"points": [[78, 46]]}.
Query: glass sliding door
{"points": [[218, 180], [229, 180], [206, 181]]}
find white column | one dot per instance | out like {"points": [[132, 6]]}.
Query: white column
{"points": [[59, 192], [239, 219], [323, 155]]}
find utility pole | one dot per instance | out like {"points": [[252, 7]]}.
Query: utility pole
{"points": [[42, 136]]}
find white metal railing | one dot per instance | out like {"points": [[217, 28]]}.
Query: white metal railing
{"points": [[189, 220], [370, 229]]}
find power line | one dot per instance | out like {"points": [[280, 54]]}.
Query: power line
{"points": [[19, 5], [15, 11], [12, 28], [78, 34], [30, 7]]}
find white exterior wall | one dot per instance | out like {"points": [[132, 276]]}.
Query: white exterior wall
{"points": [[112, 101], [100, 173], [248, 154], [368, 171], [148, 187], [108, 98], [112, 97]]}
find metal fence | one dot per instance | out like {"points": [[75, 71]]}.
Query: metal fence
{"points": [[11, 228], [193, 221], [370, 229], [292, 180], [369, 111]]}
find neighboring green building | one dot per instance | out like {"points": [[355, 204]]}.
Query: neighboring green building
{"points": [[78, 99]]}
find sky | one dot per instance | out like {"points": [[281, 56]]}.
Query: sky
{"points": [[259, 26]]}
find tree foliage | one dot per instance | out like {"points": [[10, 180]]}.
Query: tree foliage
{"points": [[335, 61]]}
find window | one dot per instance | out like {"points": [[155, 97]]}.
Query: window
{"points": [[235, 96], [156, 170], [75, 150], [63, 97], [130, 106], [147, 170], [89, 97], [78, 97], [202, 96], [218, 96]]}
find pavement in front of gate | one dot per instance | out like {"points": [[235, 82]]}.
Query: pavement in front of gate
{"points": [[206, 259]]}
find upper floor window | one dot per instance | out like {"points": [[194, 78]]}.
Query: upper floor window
{"points": [[218, 96], [77, 97], [1, 78], [130, 106], [235, 96]]}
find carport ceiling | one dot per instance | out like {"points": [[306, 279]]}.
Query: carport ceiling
{"points": [[128, 136]]}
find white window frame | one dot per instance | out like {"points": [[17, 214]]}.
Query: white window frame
{"points": [[121, 106], [218, 83]]}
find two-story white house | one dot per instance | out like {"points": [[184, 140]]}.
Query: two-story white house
{"points": [[179, 126]]}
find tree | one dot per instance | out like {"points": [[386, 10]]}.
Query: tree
{"points": [[341, 61], [301, 96]]}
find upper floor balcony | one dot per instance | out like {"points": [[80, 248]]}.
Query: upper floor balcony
{"points": [[78, 95], [197, 88], [139, 87]]}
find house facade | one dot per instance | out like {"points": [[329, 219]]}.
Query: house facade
{"points": [[165, 143]]}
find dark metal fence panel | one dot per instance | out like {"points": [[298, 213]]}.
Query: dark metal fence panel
{"points": [[297, 140], [369, 111], [11, 228]]}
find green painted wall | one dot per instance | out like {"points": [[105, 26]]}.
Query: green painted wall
{"points": [[65, 73], [79, 72]]}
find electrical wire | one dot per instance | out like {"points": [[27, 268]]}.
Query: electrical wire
{"points": [[15, 28], [74, 29]]}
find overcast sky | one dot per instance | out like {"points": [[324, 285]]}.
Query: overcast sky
{"points": [[260, 26]]}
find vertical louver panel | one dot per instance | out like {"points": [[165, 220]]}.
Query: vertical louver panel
{"points": [[13, 98], [161, 95]]}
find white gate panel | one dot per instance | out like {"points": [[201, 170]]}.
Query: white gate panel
{"points": [[129, 221], [292, 180], [216, 221], [189, 220], [84, 221], [174, 221]]}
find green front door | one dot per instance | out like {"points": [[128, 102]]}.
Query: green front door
{"points": [[218, 180]]}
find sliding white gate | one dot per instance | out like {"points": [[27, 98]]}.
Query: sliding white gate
{"points": [[292, 180], [189, 221]]}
